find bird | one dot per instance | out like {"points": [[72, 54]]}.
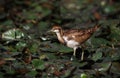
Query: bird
{"points": [[73, 38]]}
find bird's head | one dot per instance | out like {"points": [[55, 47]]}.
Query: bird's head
{"points": [[56, 29]]}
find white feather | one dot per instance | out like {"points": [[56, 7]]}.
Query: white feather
{"points": [[70, 43]]}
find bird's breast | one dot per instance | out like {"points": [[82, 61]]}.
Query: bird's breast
{"points": [[70, 42]]}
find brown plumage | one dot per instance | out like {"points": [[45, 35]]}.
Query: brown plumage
{"points": [[73, 38]]}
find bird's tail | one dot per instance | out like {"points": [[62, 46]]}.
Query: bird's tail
{"points": [[92, 30], [96, 27]]}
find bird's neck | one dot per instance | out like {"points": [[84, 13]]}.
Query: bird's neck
{"points": [[60, 36]]}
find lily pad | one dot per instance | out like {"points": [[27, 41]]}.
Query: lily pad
{"points": [[38, 64], [13, 34], [97, 55]]}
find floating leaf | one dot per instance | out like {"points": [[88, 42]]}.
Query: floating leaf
{"points": [[38, 8], [32, 73], [46, 11], [115, 56], [104, 66], [43, 26], [38, 64], [96, 42], [29, 15], [13, 34], [20, 45], [82, 64], [83, 75], [48, 55], [97, 55], [7, 23], [34, 47], [65, 49], [109, 9], [115, 34], [69, 72], [55, 47], [9, 69]]}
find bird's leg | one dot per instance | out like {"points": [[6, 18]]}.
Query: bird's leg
{"points": [[82, 56], [74, 53]]}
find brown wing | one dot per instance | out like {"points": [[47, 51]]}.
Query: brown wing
{"points": [[80, 35], [82, 38], [69, 32]]}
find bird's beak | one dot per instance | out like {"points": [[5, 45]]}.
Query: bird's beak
{"points": [[50, 32]]}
